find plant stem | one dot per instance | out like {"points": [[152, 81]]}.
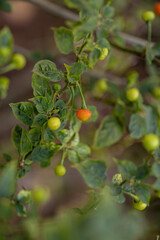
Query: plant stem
{"points": [[63, 157], [148, 186], [72, 93], [7, 68], [149, 24], [84, 106], [132, 195]]}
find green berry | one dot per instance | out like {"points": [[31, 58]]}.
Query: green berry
{"points": [[18, 60], [139, 205], [60, 170], [148, 16], [4, 82], [156, 92], [150, 142], [54, 123], [132, 94], [5, 52], [104, 53]]}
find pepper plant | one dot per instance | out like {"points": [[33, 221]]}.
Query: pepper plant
{"points": [[51, 120]]}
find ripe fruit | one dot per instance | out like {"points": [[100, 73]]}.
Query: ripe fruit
{"points": [[157, 8], [83, 114], [54, 123], [19, 61], [139, 205], [156, 92], [148, 16], [60, 170], [104, 53], [150, 142], [132, 94]]}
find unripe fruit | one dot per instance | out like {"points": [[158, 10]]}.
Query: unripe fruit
{"points": [[102, 85], [40, 195], [83, 114], [117, 178], [4, 82], [60, 170], [150, 142], [132, 94], [157, 8], [54, 123], [148, 16], [156, 92], [104, 53], [19, 61], [5, 52], [139, 205], [56, 87]]}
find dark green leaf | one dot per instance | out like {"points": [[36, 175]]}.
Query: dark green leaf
{"points": [[82, 150], [108, 12], [64, 39], [109, 132], [73, 156], [94, 57], [26, 145], [40, 86], [24, 196], [142, 172], [156, 170], [16, 137], [47, 69], [39, 120], [6, 40], [48, 135], [35, 135], [128, 169], [137, 125], [23, 111], [8, 180], [43, 154], [42, 104], [5, 6], [21, 210], [93, 172], [143, 193], [94, 114], [150, 119], [63, 135], [74, 72]]}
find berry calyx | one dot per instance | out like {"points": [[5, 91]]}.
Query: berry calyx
{"points": [[150, 142], [157, 8], [83, 114], [104, 53], [18, 60], [60, 170], [54, 123], [139, 205], [132, 94], [148, 16]]}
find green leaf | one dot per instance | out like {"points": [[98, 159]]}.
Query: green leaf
{"points": [[93, 172], [43, 154], [73, 156], [23, 111], [127, 168], [115, 189], [47, 69], [40, 86], [16, 137], [62, 112], [24, 196], [137, 125], [107, 11], [26, 145], [156, 170], [48, 135], [82, 150], [109, 132], [94, 57], [5, 6], [143, 193], [75, 124], [21, 210], [64, 40], [34, 135], [75, 139], [42, 104], [8, 180], [103, 43], [94, 114], [143, 172], [63, 135], [39, 120], [150, 119], [74, 71]]}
